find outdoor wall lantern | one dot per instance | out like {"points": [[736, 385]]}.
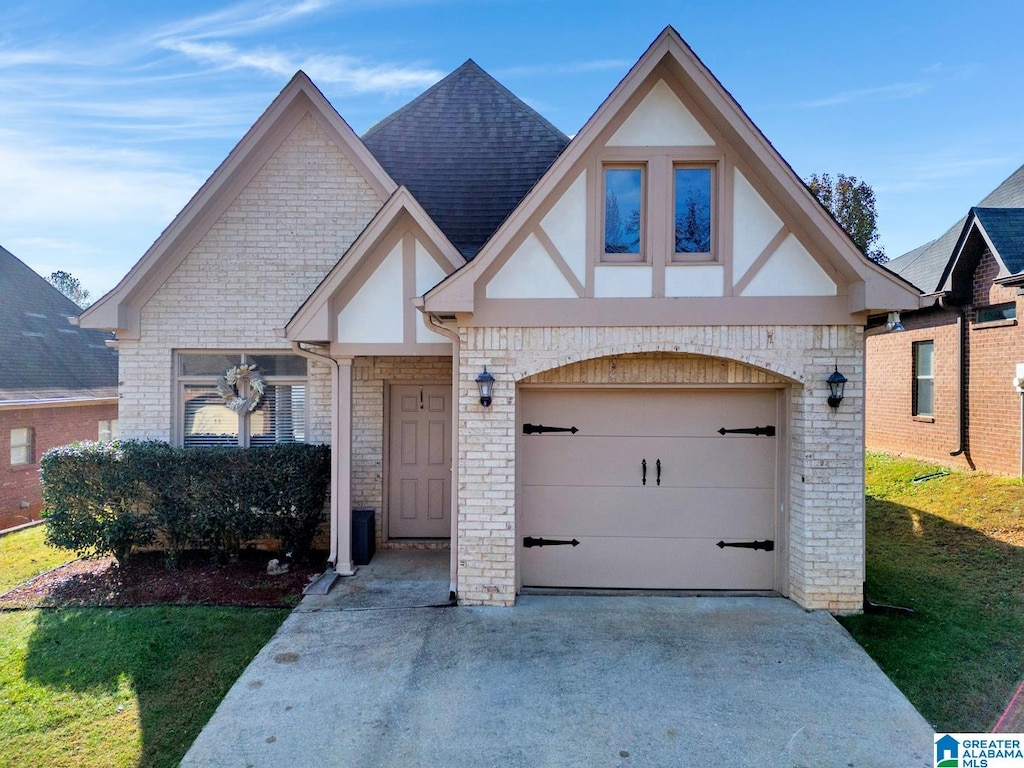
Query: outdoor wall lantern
{"points": [[836, 385], [485, 383], [893, 323]]}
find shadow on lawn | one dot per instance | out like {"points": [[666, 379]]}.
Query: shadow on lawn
{"points": [[959, 658], [179, 661]]}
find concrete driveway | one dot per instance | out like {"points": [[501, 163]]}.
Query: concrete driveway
{"points": [[355, 679]]}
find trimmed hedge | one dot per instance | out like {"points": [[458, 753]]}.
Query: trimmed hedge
{"points": [[111, 498]]}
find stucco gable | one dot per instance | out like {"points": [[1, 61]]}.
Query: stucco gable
{"points": [[120, 309], [671, 84], [367, 298]]}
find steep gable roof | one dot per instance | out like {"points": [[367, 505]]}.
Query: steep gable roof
{"points": [[119, 309], [1005, 230], [469, 150], [43, 356], [999, 230], [926, 265], [871, 285]]}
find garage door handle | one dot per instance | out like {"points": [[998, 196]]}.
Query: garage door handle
{"points": [[657, 469], [643, 472]]}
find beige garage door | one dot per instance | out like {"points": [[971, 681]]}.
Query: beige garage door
{"points": [[651, 490]]}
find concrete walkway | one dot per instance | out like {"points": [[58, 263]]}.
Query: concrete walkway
{"points": [[354, 679]]}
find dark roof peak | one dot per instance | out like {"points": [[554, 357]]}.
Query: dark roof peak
{"points": [[926, 265], [469, 150]]}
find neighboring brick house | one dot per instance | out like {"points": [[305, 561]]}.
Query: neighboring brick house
{"points": [[659, 301], [942, 388], [58, 384]]}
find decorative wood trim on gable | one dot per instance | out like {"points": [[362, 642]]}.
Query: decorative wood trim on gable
{"points": [[394, 233], [863, 284], [120, 309]]}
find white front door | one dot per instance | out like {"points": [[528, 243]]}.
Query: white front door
{"points": [[420, 469]]}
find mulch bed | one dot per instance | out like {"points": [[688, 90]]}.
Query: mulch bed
{"points": [[146, 581]]}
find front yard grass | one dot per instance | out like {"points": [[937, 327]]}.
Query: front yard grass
{"points": [[951, 548], [112, 687], [24, 554]]}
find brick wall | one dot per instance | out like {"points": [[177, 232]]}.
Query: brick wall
{"points": [[825, 493], [992, 410], [248, 275], [370, 379], [889, 421], [53, 427]]}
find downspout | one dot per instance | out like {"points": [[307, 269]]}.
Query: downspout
{"points": [[309, 354], [961, 372], [430, 321]]}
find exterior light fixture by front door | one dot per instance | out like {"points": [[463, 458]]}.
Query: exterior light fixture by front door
{"points": [[836, 385], [485, 383]]}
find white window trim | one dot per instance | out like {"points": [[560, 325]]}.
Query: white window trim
{"points": [[29, 444]]}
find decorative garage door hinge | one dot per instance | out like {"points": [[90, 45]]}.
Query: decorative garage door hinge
{"points": [[529, 541], [768, 431], [540, 429], [767, 545]]}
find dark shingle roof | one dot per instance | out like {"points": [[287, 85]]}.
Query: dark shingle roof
{"points": [[925, 265], [41, 354], [469, 150], [1005, 228]]}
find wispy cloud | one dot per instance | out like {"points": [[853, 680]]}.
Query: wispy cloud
{"points": [[350, 73], [936, 170], [28, 57], [240, 19], [891, 92]]}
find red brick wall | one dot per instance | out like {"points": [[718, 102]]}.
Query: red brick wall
{"points": [[889, 421], [995, 349], [53, 427], [993, 409]]}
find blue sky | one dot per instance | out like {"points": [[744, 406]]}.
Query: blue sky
{"points": [[113, 113]]}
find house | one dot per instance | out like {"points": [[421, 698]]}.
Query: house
{"points": [[942, 388], [653, 306], [58, 384]]}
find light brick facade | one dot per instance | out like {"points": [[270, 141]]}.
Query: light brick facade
{"points": [[991, 410], [247, 276], [825, 493]]}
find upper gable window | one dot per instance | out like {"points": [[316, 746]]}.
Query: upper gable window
{"points": [[692, 189], [623, 213]]}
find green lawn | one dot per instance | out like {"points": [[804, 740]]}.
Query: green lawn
{"points": [[24, 555], [951, 548], [112, 687]]}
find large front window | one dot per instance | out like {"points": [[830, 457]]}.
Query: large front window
{"points": [[279, 416]]}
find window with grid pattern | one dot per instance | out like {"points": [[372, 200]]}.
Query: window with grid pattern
{"points": [[280, 416]]}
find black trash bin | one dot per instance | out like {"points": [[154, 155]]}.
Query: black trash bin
{"points": [[364, 529]]}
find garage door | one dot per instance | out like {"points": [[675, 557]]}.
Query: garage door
{"points": [[656, 488]]}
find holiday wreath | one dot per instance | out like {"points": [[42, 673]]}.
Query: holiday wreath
{"points": [[228, 388]]}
